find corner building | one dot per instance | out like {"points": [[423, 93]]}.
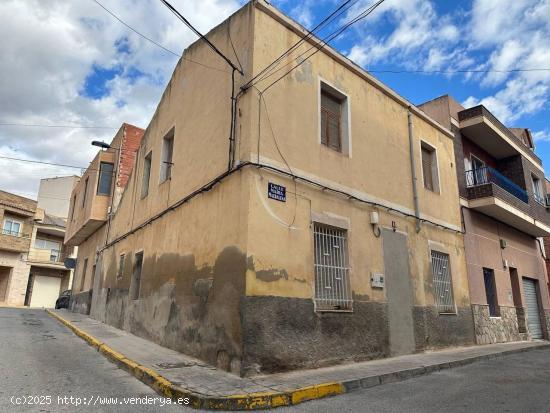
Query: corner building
{"points": [[328, 239]]}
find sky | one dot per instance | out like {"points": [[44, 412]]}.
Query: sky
{"points": [[72, 63]]}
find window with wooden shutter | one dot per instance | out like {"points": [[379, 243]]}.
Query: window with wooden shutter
{"points": [[429, 167], [331, 121]]}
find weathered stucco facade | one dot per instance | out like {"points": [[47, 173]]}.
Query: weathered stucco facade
{"points": [[205, 262]]}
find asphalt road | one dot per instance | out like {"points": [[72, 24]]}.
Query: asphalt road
{"points": [[40, 357]]}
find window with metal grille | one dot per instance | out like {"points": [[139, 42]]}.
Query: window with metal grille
{"points": [[146, 174], [331, 121], [443, 285], [491, 292], [429, 168], [332, 286], [166, 160]]}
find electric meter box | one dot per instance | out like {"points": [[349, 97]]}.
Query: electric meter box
{"points": [[377, 280]]}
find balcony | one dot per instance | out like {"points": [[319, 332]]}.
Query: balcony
{"points": [[485, 130], [46, 258], [493, 194], [14, 241]]}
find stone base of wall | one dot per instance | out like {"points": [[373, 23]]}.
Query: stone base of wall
{"points": [[282, 333], [501, 329], [81, 302], [286, 333], [433, 330]]}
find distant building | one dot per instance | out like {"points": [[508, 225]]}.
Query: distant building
{"points": [[32, 271], [54, 194], [17, 217]]}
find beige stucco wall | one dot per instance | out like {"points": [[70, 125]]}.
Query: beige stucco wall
{"points": [[378, 169]]}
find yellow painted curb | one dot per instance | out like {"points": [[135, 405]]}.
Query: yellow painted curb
{"points": [[165, 387]]}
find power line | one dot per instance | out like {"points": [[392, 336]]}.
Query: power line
{"points": [[339, 10], [324, 42], [42, 162], [194, 30], [154, 42], [397, 71], [36, 125], [82, 168]]}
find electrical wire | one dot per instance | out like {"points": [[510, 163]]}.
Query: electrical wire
{"points": [[398, 71], [154, 42], [208, 186], [325, 41], [53, 164], [194, 30], [36, 125], [338, 11]]}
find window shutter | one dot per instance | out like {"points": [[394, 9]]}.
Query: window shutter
{"points": [[427, 169], [331, 112]]}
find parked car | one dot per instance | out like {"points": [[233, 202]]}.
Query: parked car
{"points": [[63, 300]]}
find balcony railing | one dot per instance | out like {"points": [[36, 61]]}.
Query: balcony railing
{"points": [[487, 175], [45, 256], [14, 234]]}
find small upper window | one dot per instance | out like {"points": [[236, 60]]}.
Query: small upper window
{"points": [[85, 192], [74, 207], [105, 178], [333, 119], [11, 227], [120, 272], [146, 175], [429, 168], [537, 189], [166, 160]]}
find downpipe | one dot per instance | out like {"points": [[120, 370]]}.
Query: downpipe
{"points": [[413, 170]]}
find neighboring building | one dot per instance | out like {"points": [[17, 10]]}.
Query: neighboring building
{"points": [[17, 215], [47, 254], [312, 249], [93, 199], [32, 270], [504, 209], [54, 195], [48, 275]]}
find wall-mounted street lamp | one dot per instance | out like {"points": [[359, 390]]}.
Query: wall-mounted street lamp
{"points": [[101, 144]]}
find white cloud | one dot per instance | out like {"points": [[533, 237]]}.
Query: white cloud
{"points": [[420, 39], [542, 135], [48, 51]]}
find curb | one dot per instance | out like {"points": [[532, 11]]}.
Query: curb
{"points": [[165, 387], [267, 400]]}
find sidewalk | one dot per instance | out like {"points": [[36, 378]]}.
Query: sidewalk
{"points": [[175, 375]]}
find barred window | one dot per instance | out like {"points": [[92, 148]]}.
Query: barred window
{"points": [[332, 287], [443, 286]]}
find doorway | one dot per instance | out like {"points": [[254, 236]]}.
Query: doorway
{"points": [[530, 292], [4, 281], [135, 284], [398, 292]]}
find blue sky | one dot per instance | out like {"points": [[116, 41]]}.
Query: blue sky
{"points": [[74, 63]]}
